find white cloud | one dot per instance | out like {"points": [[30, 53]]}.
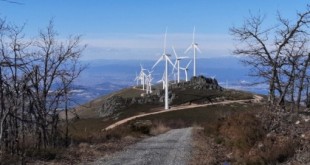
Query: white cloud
{"points": [[148, 46]]}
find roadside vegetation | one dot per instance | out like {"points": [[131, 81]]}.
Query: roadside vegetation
{"points": [[253, 137]]}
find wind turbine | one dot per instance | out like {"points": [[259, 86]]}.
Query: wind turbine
{"points": [[148, 82], [194, 46], [177, 62], [142, 76], [165, 57], [186, 69], [162, 80]]}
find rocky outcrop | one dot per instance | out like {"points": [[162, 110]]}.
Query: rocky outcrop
{"points": [[199, 83], [147, 99], [113, 104]]}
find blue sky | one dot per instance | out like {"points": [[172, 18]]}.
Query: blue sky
{"points": [[133, 29]]}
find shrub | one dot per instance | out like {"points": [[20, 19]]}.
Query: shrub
{"points": [[158, 128], [278, 148], [143, 126]]}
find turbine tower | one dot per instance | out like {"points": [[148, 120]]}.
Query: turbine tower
{"points": [[177, 62], [194, 46], [165, 57], [186, 69]]}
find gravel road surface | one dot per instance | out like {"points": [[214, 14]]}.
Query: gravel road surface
{"points": [[172, 148]]}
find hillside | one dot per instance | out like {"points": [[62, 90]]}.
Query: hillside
{"points": [[106, 110], [235, 132], [130, 101]]}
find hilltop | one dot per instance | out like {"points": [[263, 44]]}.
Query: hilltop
{"points": [[134, 100]]}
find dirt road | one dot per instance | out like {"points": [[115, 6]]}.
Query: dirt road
{"points": [[172, 147], [256, 99]]}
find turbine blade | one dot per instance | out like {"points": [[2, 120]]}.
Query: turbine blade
{"points": [[175, 53], [196, 47], [183, 57], [165, 40], [176, 61], [188, 64], [189, 48], [161, 58], [169, 61]]}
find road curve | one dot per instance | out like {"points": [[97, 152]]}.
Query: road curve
{"points": [[256, 99], [172, 147]]}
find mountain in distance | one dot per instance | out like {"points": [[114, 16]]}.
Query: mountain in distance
{"points": [[84, 93]]}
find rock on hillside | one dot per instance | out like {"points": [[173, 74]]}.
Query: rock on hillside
{"points": [[113, 103], [200, 83]]}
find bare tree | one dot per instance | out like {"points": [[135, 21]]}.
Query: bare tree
{"points": [[58, 61], [35, 81], [274, 53]]}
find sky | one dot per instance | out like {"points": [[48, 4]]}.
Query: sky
{"points": [[134, 29]]}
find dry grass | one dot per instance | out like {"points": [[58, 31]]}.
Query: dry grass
{"points": [[243, 130], [241, 139], [204, 151], [159, 128]]}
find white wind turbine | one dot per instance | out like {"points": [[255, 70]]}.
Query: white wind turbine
{"points": [[150, 85], [175, 77], [142, 77], [177, 62], [148, 82], [162, 80], [186, 69], [193, 46], [165, 57]]}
